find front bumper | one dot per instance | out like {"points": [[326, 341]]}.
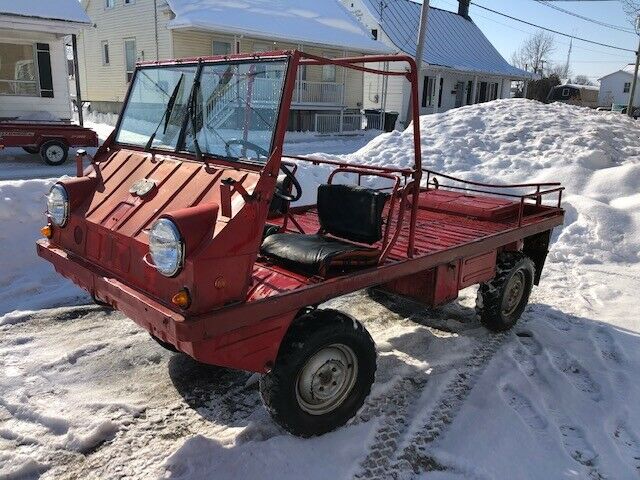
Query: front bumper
{"points": [[151, 315]]}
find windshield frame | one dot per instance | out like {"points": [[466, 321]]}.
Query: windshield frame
{"points": [[200, 63]]}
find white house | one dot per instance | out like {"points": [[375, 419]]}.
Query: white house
{"points": [[33, 61], [127, 31], [461, 67], [616, 88]]}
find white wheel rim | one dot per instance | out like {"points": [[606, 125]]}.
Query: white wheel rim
{"points": [[54, 153], [327, 379], [513, 293]]}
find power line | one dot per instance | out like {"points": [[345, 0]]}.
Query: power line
{"points": [[547, 3], [553, 31]]}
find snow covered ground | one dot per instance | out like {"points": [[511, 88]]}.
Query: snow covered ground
{"points": [[84, 393]]}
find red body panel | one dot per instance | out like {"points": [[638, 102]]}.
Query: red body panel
{"points": [[437, 239], [34, 134]]}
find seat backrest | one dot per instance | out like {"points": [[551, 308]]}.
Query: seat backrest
{"points": [[351, 212], [279, 206]]}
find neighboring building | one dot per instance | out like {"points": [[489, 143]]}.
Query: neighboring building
{"points": [[461, 66], [33, 61], [127, 31], [615, 88]]}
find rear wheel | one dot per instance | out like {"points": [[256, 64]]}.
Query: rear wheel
{"points": [[502, 300], [323, 373], [54, 152]]}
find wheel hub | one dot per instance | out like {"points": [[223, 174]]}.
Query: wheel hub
{"points": [[326, 379], [55, 153], [513, 293]]}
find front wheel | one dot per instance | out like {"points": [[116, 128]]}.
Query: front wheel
{"points": [[502, 300], [54, 152], [323, 373]]}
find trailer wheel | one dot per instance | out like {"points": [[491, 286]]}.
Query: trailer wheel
{"points": [[323, 373], [31, 150], [501, 301], [54, 152]]}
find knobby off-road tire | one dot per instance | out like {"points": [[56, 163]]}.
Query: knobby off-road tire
{"points": [[323, 374], [54, 152], [501, 301]]}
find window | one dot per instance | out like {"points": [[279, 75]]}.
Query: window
{"points": [[328, 71], [105, 53], [566, 93], [18, 70], [374, 33], [109, 3], [130, 58], [427, 92], [221, 48], [627, 87]]}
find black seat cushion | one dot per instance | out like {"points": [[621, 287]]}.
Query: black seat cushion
{"points": [[316, 254], [351, 212]]}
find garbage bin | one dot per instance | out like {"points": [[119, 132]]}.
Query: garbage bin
{"points": [[390, 119]]}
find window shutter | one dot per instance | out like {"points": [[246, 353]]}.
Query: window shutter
{"points": [[44, 70]]}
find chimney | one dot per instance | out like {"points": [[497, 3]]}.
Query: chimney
{"points": [[463, 8]]}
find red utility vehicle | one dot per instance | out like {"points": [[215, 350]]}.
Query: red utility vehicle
{"points": [[50, 139], [183, 222]]}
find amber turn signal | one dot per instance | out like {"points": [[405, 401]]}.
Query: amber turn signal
{"points": [[182, 299], [47, 231]]}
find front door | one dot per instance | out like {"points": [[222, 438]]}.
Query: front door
{"points": [[459, 93]]}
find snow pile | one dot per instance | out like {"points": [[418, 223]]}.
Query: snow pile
{"points": [[306, 21], [595, 155], [26, 280]]}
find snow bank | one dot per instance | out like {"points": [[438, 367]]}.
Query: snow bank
{"points": [[596, 156], [26, 280]]}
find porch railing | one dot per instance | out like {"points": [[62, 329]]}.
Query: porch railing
{"points": [[318, 93], [347, 122]]}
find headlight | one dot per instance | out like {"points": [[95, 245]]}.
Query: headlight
{"points": [[58, 205], [166, 247]]}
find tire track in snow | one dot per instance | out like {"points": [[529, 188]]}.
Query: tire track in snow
{"points": [[628, 444], [574, 439], [383, 460]]}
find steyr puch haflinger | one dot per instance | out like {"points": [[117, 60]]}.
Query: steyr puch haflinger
{"points": [[184, 221]]}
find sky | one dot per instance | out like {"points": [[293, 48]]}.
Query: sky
{"points": [[586, 59]]}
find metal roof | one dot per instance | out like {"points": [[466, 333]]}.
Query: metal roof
{"points": [[452, 41], [60, 10]]}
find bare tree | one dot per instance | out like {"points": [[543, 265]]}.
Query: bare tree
{"points": [[582, 80], [561, 70], [534, 52], [632, 9]]}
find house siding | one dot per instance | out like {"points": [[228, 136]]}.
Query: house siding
{"points": [[108, 83], [60, 105], [612, 90]]}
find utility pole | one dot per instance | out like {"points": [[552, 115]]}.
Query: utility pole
{"points": [[634, 81], [422, 34]]}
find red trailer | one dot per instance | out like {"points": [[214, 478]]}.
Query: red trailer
{"points": [[183, 221], [51, 140]]}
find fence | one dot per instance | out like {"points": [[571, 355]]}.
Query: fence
{"points": [[347, 122]]}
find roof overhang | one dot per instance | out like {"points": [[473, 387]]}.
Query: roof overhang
{"points": [[480, 73], [40, 25]]}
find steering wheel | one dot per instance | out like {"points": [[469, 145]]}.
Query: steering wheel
{"points": [[294, 182], [248, 145], [261, 151]]}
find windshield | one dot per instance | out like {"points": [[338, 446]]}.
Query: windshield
{"points": [[226, 110]]}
